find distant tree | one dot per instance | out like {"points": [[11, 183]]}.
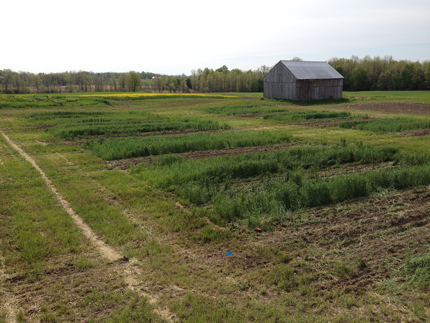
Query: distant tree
{"points": [[70, 79], [98, 82], [384, 82], [427, 76], [406, 76], [133, 81], [295, 58], [194, 80], [183, 84], [339, 69], [359, 78], [7, 81], [37, 82], [419, 79], [114, 84], [122, 81], [222, 69], [17, 83]]}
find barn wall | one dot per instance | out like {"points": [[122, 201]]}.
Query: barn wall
{"points": [[280, 83], [319, 89]]}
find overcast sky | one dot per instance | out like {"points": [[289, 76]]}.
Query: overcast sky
{"points": [[174, 37]]}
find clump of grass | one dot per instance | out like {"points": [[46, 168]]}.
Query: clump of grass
{"points": [[119, 148], [417, 269], [387, 125]]}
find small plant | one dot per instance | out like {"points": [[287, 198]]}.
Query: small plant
{"points": [[362, 264]]}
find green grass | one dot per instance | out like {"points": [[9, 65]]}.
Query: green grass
{"points": [[391, 96], [307, 115], [72, 131], [45, 101], [263, 203], [241, 109], [36, 228], [387, 125], [417, 269], [313, 262], [171, 170], [119, 148]]}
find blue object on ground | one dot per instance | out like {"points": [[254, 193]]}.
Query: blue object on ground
{"points": [[229, 254]]}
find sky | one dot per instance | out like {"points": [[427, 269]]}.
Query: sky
{"points": [[174, 37]]}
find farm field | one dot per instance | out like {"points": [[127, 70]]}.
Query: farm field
{"points": [[214, 208]]}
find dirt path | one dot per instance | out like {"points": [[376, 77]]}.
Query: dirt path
{"points": [[130, 271]]}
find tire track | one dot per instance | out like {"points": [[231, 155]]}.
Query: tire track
{"points": [[9, 302], [131, 271]]}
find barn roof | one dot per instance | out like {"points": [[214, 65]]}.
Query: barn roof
{"points": [[311, 70]]}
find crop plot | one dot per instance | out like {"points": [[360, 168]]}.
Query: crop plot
{"points": [[221, 208], [120, 148]]}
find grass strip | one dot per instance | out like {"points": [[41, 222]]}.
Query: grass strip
{"points": [[119, 148], [72, 131], [75, 117], [387, 125], [307, 115], [272, 200], [176, 171], [241, 109]]}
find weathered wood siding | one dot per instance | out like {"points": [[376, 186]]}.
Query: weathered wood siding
{"points": [[319, 89], [280, 83]]}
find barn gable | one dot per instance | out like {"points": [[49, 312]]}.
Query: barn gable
{"points": [[299, 80]]}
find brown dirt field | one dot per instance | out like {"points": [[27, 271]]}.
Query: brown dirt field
{"points": [[396, 107]]}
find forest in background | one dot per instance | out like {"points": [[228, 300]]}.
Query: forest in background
{"points": [[361, 74]]}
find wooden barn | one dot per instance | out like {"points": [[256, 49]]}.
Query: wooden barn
{"points": [[303, 81]]}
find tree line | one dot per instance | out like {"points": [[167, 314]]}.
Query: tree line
{"points": [[81, 81], [360, 74], [382, 74]]}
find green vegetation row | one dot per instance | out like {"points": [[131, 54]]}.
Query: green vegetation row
{"points": [[387, 125], [59, 117], [171, 171], [266, 197], [242, 109], [273, 199], [72, 131], [44, 101], [144, 96], [307, 115], [119, 148]]}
